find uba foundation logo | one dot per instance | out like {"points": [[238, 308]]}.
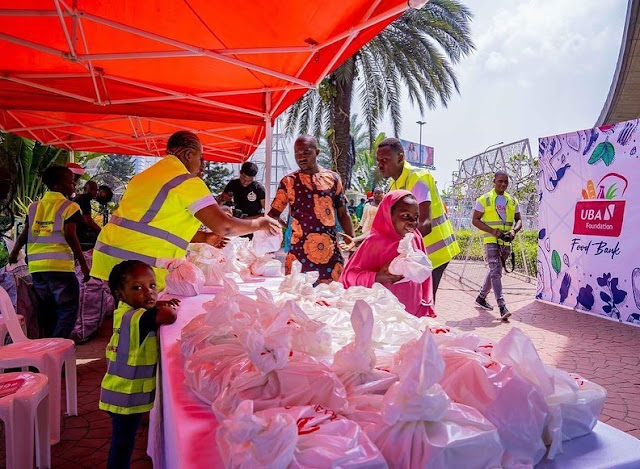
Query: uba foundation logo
{"points": [[601, 213]]}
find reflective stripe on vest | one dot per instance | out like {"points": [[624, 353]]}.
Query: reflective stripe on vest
{"points": [[142, 227], [58, 223], [58, 256], [122, 399], [492, 218], [440, 244], [120, 367], [124, 253], [124, 372], [161, 196]]}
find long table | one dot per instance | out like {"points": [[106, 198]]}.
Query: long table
{"points": [[182, 427]]}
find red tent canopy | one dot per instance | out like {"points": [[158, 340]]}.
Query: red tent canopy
{"points": [[122, 76]]}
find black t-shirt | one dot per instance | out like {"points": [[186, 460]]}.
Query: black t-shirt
{"points": [[85, 203], [246, 199]]}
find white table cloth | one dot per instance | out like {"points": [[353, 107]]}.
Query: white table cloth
{"points": [[182, 428]]}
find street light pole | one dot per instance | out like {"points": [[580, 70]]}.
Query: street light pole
{"points": [[421, 123], [495, 144]]}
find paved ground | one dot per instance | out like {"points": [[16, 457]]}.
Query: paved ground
{"points": [[600, 350]]}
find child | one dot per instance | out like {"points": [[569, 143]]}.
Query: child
{"points": [[50, 236], [128, 388], [397, 216]]}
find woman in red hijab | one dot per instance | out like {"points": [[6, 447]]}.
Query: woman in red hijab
{"points": [[397, 215]]}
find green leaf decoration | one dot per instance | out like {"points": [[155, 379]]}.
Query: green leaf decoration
{"points": [[604, 151], [556, 263], [611, 191]]}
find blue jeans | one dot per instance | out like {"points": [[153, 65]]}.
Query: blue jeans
{"points": [[123, 439], [59, 294]]}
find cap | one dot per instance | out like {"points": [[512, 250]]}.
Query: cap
{"points": [[75, 168]]}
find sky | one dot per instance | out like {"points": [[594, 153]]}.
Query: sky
{"points": [[540, 68]]}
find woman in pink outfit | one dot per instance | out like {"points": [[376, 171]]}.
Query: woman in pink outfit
{"points": [[397, 215]]}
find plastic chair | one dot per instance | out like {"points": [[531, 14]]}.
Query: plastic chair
{"points": [[4, 331], [24, 401], [48, 356]]}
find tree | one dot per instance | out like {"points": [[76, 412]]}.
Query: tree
{"points": [[30, 158], [119, 166], [415, 52], [216, 177], [365, 171]]}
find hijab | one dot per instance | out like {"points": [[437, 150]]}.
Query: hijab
{"points": [[378, 249]]}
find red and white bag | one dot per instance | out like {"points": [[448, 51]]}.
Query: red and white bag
{"points": [[294, 437], [355, 363], [184, 279], [515, 406], [420, 426]]}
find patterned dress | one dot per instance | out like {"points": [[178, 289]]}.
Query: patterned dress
{"points": [[313, 201]]}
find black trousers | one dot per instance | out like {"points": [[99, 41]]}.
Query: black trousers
{"points": [[123, 439], [436, 276]]}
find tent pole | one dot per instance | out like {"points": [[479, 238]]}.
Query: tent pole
{"points": [[268, 143], [72, 156]]}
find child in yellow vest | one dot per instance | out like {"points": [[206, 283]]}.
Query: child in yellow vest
{"points": [[128, 388], [50, 236]]}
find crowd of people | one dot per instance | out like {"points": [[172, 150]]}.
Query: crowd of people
{"points": [[168, 206]]}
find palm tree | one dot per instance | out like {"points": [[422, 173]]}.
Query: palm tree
{"points": [[415, 52]]}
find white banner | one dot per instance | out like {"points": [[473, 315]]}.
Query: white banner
{"points": [[589, 220]]}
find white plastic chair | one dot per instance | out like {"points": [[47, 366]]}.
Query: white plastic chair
{"points": [[4, 331], [24, 401], [47, 355]]}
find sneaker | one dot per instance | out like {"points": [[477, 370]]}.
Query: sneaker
{"points": [[504, 313], [482, 302]]}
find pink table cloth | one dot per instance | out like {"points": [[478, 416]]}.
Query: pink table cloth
{"points": [[182, 430]]}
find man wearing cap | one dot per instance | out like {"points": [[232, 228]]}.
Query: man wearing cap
{"points": [[434, 225], [77, 171]]}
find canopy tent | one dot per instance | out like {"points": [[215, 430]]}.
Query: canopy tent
{"points": [[122, 76]]}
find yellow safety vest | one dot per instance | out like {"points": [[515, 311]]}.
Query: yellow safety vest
{"points": [[154, 219], [440, 244], [129, 387], [491, 216], [47, 248]]}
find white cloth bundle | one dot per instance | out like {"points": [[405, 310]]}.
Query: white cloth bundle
{"points": [[184, 278], [419, 425], [514, 405], [296, 437], [264, 242], [355, 363], [414, 265]]}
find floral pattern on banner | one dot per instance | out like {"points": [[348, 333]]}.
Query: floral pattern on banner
{"points": [[589, 192], [313, 201]]}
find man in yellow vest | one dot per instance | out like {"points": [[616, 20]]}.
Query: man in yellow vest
{"points": [[161, 211], [50, 236], [439, 239], [497, 214]]}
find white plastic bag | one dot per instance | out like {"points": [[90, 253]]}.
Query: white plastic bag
{"points": [[302, 381], [184, 279], [517, 350], [264, 242], [581, 402], [266, 267], [355, 363], [414, 265], [209, 370], [421, 427], [514, 405], [296, 437]]}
